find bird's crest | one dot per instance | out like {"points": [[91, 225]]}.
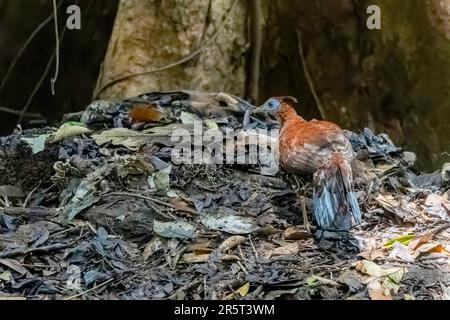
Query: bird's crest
{"points": [[287, 99]]}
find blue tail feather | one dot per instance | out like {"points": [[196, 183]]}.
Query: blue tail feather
{"points": [[335, 202]]}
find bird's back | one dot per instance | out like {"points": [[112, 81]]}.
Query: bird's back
{"points": [[306, 146]]}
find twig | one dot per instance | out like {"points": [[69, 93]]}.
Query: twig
{"points": [[152, 199], [40, 250], [257, 40], [90, 290], [24, 47], [189, 57], [254, 249], [39, 83], [308, 76], [55, 76], [18, 113], [26, 212], [25, 203]]}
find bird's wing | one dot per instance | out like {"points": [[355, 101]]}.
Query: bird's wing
{"points": [[306, 147]]}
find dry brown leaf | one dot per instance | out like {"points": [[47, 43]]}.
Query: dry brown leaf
{"points": [[420, 240], [203, 247], [230, 258], [195, 258], [371, 254], [231, 242], [379, 293], [285, 250], [296, 233], [202, 258], [433, 247], [242, 291]]}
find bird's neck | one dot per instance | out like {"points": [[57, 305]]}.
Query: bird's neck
{"points": [[287, 114]]}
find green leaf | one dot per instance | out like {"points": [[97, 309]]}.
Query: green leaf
{"points": [[6, 276], [211, 124], [404, 239]]}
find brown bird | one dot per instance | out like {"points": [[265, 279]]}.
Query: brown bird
{"points": [[322, 149]]}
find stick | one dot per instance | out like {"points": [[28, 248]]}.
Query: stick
{"points": [[188, 210], [40, 250], [308, 76], [55, 76], [257, 40], [39, 83], [24, 47], [90, 290], [18, 113]]}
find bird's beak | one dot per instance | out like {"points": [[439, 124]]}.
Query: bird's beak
{"points": [[261, 109]]}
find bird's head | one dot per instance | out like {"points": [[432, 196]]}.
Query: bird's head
{"points": [[274, 104], [278, 106]]}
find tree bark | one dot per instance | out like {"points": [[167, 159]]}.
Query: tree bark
{"points": [[176, 44]]}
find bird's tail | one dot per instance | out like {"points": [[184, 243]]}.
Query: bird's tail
{"points": [[335, 203]]}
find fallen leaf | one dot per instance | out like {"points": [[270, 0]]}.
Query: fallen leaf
{"points": [[127, 138], [69, 129], [195, 258], [230, 223], [231, 242], [12, 298], [402, 252], [371, 254], [211, 124], [174, 229], [243, 291], [200, 247], [160, 180], [229, 258], [404, 239], [37, 144], [14, 265], [432, 247], [6, 276], [436, 205], [378, 292], [296, 233], [311, 281], [155, 245], [372, 269], [287, 249], [419, 240]]}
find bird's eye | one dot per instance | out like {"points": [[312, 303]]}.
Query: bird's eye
{"points": [[271, 104]]}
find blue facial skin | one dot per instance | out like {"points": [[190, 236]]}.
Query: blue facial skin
{"points": [[270, 106]]}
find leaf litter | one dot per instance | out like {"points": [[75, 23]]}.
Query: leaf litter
{"points": [[98, 210]]}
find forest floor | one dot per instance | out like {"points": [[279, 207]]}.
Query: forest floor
{"points": [[98, 209]]}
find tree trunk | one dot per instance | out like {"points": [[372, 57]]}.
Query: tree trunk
{"points": [[176, 44]]}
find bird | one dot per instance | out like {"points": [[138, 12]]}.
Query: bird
{"points": [[322, 149]]}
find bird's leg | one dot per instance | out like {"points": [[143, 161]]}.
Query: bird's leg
{"points": [[305, 214], [297, 189]]}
